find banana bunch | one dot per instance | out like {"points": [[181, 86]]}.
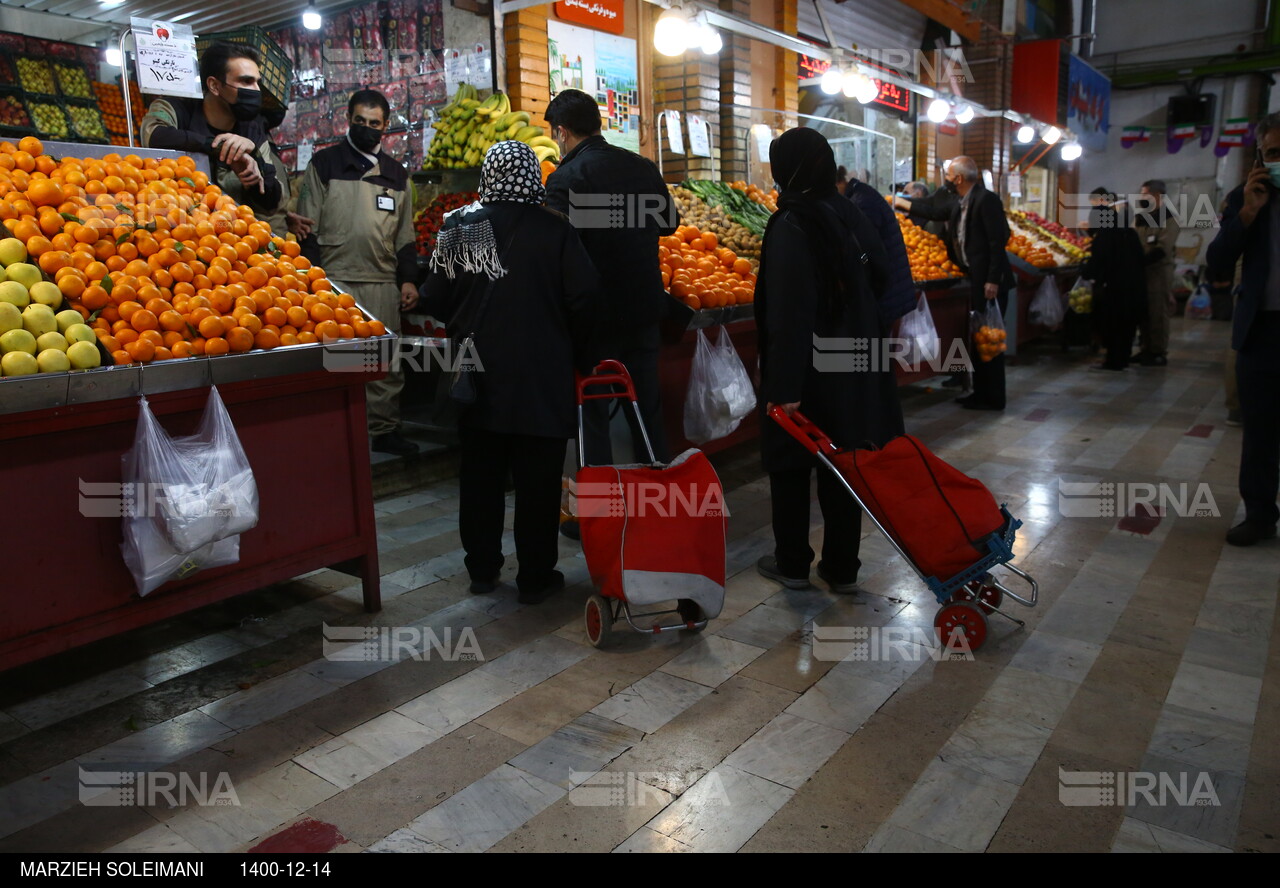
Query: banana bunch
{"points": [[466, 128]]}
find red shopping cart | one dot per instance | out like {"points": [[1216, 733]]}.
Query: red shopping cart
{"points": [[651, 533], [943, 523]]}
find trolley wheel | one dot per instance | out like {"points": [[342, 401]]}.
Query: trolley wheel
{"points": [[598, 617], [988, 596], [965, 618], [690, 612]]}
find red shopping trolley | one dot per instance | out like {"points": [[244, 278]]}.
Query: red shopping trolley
{"points": [[943, 523], [651, 533]]}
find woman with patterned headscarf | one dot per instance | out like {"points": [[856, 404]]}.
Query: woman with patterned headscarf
{"points": [[513, 277], [820, 264]]}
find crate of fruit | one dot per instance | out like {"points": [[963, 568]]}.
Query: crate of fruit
{"points": [[86, 120], [73, 79], [14, 118], [35, 75], [8, 72], [49, 117], [276, 69]]}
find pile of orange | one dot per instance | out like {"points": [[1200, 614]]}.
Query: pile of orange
{"points": [[766, 199], [1030, 252], [111, 102], [990, 341], [926, 253], [161, 263], [703, 274]]}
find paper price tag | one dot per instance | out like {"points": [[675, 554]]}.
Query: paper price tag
{"points": [[675, 139], [699, 136], [305, 150], [166, 58]]}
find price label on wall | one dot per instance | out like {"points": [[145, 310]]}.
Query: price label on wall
{"points": [[166, 58], [305, 150], [675, 139], [699, 136]]}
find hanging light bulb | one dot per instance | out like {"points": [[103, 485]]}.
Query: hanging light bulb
{"points": [[671, 35], [850, 84], [938, 110], [868, 91], [1026, 133], [709, 38], [311, 17], [965, 114], [1052, 135], [1071, 151], [113, 56], [831, 80]]}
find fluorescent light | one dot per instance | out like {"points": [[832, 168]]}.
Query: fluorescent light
{"points": [[671, 34], [831, 80], [965, 114], [311, 18], [113, 56], [938, 110], [1071, 151], [1052, 135], [1026, 133]]}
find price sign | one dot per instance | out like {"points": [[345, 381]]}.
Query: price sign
{"points": [[166, 58], [699, 136], [675, 139], [305, 150]]}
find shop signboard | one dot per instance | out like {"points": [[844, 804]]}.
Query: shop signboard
{"points": [[603, 15], [166, 58], [888, 95], [1088, 105]]}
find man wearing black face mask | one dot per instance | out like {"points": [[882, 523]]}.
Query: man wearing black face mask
{"points": [[226, 125], [360, 203]]}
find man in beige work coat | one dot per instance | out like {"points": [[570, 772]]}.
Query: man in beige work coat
{"points": [[361, 205], [1158, 231]]}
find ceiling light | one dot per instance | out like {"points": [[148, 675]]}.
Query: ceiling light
{"points": [[113, 56], [868, 91], [671, 35], [1026, 133], [1071, 151], [709, 39], [311, 18], [1052, 135], [938, 110], [965, 114], [850, 84], [831, 80]]}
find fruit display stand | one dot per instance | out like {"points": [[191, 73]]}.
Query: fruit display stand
{"points": [[1029, 279], [949, 306]]}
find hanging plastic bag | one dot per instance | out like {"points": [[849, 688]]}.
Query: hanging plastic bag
{"points": [[1080, 297], [1200, 305], [1046, 306], [921, 336], [154, 561], [720, 393], [990, 337]]}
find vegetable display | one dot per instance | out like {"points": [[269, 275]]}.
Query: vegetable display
{"points": [[694, 212], [736, 204]]}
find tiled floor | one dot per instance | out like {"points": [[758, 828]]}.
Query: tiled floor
{"points": [[1136, 709]]}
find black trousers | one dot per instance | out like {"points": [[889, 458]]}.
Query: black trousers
{"points": [[1258, 378], [841, 525], [1117, 338], [988, 376], [534, 464], [641, 361]]}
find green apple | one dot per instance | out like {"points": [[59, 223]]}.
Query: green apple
{"points": [[10, 317], [38, 319], [53, 360], [18, 363], [46, 293], [14, 293], [84, 355], [67, 318], [12, 250], [52, 339], [18, 341], [27, 275], [80, 333]]}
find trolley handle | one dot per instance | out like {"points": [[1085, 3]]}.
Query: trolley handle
{"points": [[800, 427], [610, 373]]}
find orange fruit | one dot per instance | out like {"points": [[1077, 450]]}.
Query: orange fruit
{"points": [[239, 339], [216, 346], [266, 339], [210, 326]]}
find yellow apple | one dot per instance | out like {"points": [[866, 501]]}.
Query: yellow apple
{"points": [[13, 293], [27, 275], [53, 360], [10, 317], [18, 341], [46, 293], [84, 355], [80, 333], [52, 339], [67, 318], [18, 363], [12, 250], [38, 319]]}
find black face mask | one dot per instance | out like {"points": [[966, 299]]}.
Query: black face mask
{"points": [[950, 187], [248, 103], [365, 138]]}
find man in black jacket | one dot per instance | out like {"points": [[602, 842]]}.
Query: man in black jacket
{"points": [[620, 205]]}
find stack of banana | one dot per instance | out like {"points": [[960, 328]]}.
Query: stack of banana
{"points": [[466, 128]]}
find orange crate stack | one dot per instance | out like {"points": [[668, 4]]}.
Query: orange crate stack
{"points": [[111, 102]]}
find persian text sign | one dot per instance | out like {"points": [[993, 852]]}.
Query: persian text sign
{"points": [[166, 56], [603, 15]]}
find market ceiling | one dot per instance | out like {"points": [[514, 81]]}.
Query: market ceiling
{"points": [[204, 16]]}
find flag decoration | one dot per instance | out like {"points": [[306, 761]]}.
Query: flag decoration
{"points": [[1182, 132], [1132, 135], [1236, 133]]}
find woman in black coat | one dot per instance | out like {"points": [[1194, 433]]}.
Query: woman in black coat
{"points": [[515, 276], [819, 260], [1115, 265]]}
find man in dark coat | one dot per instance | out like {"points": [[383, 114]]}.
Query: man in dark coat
{"points": [[621, 237], [813, 297], [898, 296], [1251, 228], [1119, 284]]}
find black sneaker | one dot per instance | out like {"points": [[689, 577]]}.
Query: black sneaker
{"points": [[767, 567], [395, 443], [843, 587], [482, 587], [1246, 534], [541, 594]]}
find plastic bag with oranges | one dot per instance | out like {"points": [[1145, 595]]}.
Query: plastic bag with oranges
{"points": [[989, 337]]}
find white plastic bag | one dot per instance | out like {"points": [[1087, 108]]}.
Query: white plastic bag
{"points": [[917, 328], [1046, 307], [1200, 305], [153, 561], [720, 393]]}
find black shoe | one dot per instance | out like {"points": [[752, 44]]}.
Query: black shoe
{"points": [[571, 530], [483, 587], [843, 587], [1140, 357], [542, 593], [979, 405], [767, 567], [1246, 534], [396, 443]]}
